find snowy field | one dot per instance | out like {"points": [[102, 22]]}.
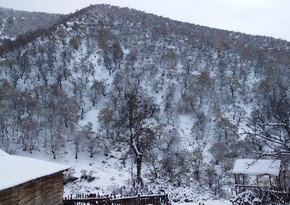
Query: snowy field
{"points": [[110, 177]]}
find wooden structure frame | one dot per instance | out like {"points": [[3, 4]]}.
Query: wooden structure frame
{"points": [[275, 191], [269, 170]]}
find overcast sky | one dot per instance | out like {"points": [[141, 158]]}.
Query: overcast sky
{"points": [[258, 17]]}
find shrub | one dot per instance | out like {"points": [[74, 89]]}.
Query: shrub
{"points": [[245, 198]]}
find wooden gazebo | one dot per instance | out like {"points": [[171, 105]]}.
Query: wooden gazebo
{"points": [[258, 173], [264, 177]]}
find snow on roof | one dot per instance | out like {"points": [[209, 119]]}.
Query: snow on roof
{"points": [[257, 167], [17, 170], [2, 153]]}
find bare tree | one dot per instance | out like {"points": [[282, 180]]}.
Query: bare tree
{"points": [[97, 90], [270, 122], [198, 129], [90, 136], [106, 122], [77, 142], [29, 134], [136, 117]]}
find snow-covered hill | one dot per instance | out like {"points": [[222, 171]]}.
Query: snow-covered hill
{"points": [[111, 91], [13, 22]]}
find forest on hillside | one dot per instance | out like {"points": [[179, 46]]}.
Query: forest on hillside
{"points": [[183, 100], [14, 23]]}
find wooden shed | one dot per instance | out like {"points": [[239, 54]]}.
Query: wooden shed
{"points": [[30, 181]]}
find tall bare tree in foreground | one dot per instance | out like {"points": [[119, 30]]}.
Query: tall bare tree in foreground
{"points": [[136, 122], [270, 122]]}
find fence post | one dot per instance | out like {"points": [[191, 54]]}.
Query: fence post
{"points": [[108, 200], [138, 200]]}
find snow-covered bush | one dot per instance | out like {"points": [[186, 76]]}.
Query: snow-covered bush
{"points": [[69, 176], [245, 198], [87, 175]]}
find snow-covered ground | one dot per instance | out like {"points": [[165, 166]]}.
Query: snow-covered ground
{"points": [[211, 202], [110, 176]]}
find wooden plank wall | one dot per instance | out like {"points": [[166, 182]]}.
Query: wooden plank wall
{"points": [[45, 191]]}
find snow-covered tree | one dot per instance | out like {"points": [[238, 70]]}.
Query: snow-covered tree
{"points": [[136, 119], [270, 122]]}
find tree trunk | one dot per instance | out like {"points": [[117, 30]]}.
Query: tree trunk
{"points": [[139, 166], [139, 158]]}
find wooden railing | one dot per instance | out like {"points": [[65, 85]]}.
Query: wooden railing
{"points": [[268, 195], [278, 197], [83, 199]]}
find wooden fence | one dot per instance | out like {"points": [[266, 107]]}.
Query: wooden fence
{"points": [[278, 197], [89, 199]]}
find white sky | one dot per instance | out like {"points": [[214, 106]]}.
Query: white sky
{"points": [[258, 17]]}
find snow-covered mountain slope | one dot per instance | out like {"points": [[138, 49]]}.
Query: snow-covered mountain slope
{"points": [[13, 22], [112, 88]]}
